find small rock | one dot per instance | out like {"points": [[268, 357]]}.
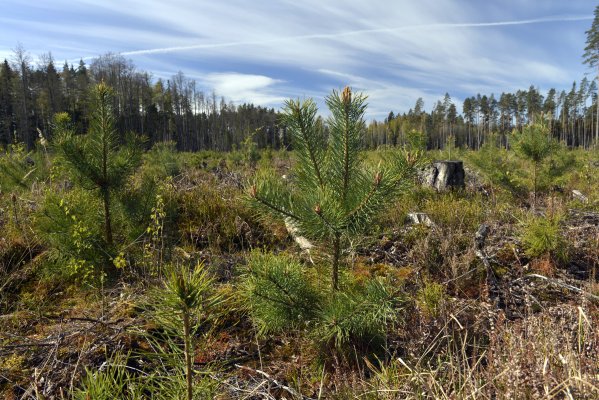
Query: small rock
{"points": [[418, 218], [579, 196], [481, 236]]}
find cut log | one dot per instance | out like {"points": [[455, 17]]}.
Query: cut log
{"points": [[444, 175]]}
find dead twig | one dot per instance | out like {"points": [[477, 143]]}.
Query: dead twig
{"points": [[556, 282], [492, 284], [274, 382]]}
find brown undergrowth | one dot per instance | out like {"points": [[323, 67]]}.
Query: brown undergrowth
{"points": [[532, 336]]}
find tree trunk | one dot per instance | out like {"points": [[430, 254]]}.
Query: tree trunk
{"points": [[597, 111], [336, 257], [534, 186], [187, 349], [443, 175], [107, 219]]}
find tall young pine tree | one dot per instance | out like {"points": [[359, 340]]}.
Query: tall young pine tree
{"points": [[98, 160], [335, 196], [591, 57]]}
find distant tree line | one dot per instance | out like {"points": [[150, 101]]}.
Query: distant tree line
{"points": [[178, 110], [570, 115], [161, 110]]}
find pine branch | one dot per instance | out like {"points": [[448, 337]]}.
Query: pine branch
{"points": [[291, 301], [346, 104], [364, 203], [300, 118], [318, 212], [379, 195], [275, 208], [311, 150], [346, 129]]}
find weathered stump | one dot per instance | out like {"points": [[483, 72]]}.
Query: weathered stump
{"points": [[443, 175]]}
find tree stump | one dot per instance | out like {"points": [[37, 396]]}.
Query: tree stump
{"points": [[444, 175]]}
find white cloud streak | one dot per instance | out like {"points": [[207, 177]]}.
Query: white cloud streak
{"points": [[244, 88], [421, 27]]}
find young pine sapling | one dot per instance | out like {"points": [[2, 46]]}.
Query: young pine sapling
{"points": [[535, 144], [98, 160], [335, 196]]}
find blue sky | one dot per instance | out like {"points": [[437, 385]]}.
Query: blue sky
{"points": [[265, 51]]}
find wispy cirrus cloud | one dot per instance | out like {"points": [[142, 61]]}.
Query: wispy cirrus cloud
{"points": [[336, 35], [265, 51]]}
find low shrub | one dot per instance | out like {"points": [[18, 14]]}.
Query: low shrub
{"points": [[280, 295], [498, 166], [431, 297], [20, 169], [450, 210], [540, 236], [70, 225], [357, 319], [211, 214]]}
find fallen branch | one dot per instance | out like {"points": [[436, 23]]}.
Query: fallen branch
{"points": [[83, 319], [480, 239], [16, 346], [555, 282], [274, 382]]}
